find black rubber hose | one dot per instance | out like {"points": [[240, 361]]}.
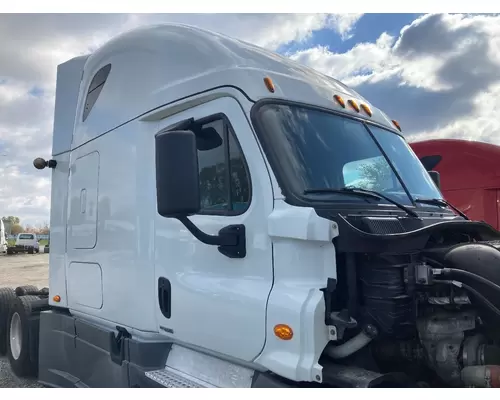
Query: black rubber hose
{"points": [[454, 273], [478, 295]]}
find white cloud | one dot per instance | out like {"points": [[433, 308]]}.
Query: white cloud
{"points": [[441, 75], [344, 24], [365, 61], [24, 195], [483, 125], [31, 47]]}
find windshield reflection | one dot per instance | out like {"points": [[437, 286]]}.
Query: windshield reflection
{"points": [[318, 150]]}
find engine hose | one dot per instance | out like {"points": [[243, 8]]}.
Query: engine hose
{"points": [[478, 295], [350, 347], [453, 273]]}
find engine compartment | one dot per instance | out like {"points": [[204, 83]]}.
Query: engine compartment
{"points": [[421, 311]]}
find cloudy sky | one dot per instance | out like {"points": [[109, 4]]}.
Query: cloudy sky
{"points": [[439, 75]]}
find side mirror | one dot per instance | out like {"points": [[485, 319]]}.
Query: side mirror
{"points": [[177, 179], [178, 191], [436, 178]]}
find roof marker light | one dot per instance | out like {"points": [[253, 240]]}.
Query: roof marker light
{"points": [[354, 105], [339, 100], [269, 84], [366, 109], [396, 124]]}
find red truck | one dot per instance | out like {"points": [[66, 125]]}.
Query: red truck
{"points": [[469, 174]]}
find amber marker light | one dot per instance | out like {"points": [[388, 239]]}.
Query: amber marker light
{"points": [[57, 298], [354, 105], [283, 332], [269, 84], [396, 124], [339, 100], [366, 109]]}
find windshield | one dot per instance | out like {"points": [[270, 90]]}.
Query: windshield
{"points": [[25, 236], [319, 150]]}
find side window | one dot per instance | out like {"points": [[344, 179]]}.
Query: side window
{"points": [[224, 179], [95, 88]]}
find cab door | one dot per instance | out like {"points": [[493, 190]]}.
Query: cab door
{"points": [[206, 298]]}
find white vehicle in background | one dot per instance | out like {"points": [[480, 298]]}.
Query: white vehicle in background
{"points": [[25, 243], [3, 238]]}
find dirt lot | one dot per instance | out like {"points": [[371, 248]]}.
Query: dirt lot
{"points": [[17, 270], [21, 269]]}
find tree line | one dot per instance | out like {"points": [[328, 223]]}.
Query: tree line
{"points": [[13, 226]]}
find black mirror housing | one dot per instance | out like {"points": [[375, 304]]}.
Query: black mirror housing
{"points": [[177, 179], [436, 178]]}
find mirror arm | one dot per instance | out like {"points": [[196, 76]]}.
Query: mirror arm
{"points": [[213, 240], [185, 124], [231, 239]]}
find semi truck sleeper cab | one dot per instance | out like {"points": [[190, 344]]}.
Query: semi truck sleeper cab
{"points": [[222, 216]]}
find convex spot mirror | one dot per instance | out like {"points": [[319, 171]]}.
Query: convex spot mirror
{"points": [[177, 179], [436, 178]]}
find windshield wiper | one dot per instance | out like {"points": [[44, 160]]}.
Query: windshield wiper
{"points": [[364, 193], [341, 191], [442, 203]]}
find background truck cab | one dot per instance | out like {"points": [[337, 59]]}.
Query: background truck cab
{"points": [[3, 238], [25, 243], [470, 175]]}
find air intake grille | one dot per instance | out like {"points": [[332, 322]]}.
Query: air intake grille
{"points": [[383, 225]]}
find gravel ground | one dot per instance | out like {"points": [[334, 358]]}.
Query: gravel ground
{"points": [[9, 380], [17, 270]]}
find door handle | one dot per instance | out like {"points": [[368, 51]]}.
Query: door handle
{"points": [[165, 296]]}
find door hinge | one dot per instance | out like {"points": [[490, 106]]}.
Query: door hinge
{"points": [[117, 345]]}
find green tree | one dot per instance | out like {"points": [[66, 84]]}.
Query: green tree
{"points": [[12, 225], [12, 220], [16, 229]]}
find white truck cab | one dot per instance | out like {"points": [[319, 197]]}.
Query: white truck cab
{"points": [[225, 217], [3, 238], [25, 243]]}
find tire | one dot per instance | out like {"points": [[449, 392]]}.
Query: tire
{"points": [[20, 338], [10, 251], [7, 297], [31, 250], [27, 290]]}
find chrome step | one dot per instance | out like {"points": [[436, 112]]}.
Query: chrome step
{"points": [[171, 378]]}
